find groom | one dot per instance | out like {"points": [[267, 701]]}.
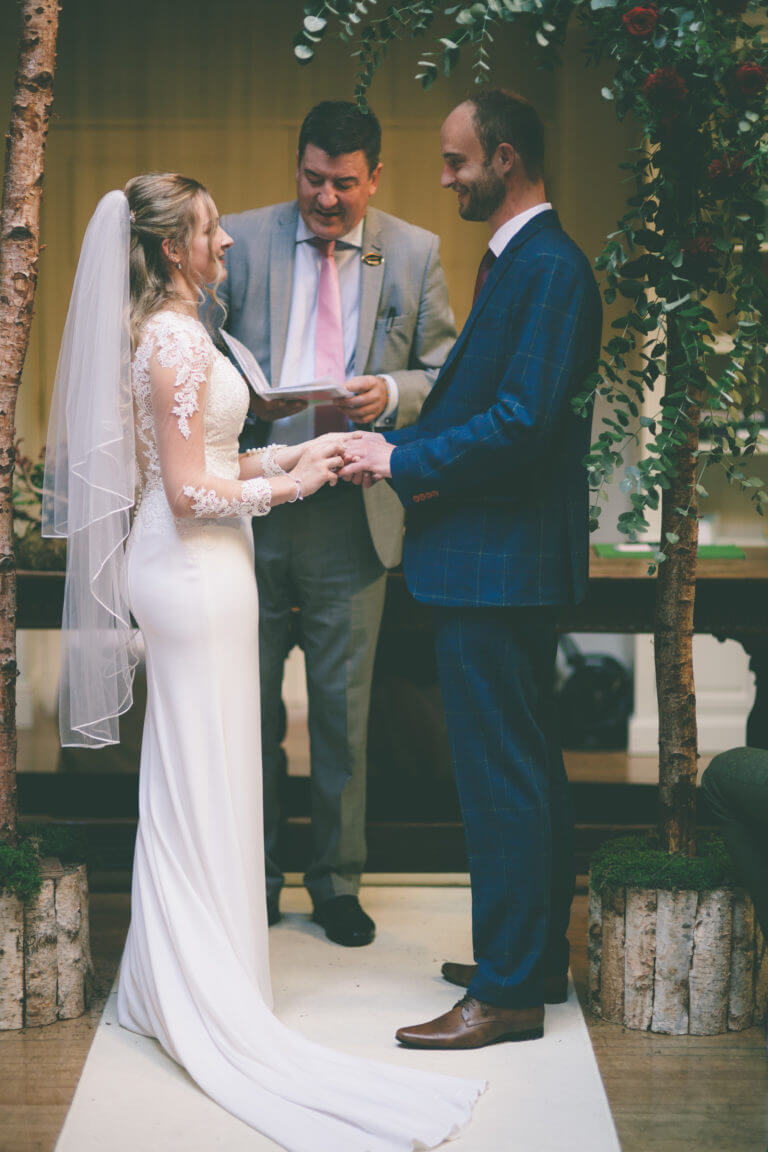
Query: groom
{"points": [[496, 498]]}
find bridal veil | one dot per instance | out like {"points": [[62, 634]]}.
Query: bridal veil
{"points": [[90, 482]]}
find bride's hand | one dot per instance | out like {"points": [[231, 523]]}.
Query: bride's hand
{"points": [[319, 463]]}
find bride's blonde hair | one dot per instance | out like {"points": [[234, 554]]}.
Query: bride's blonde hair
{"points": [[163, 206]]}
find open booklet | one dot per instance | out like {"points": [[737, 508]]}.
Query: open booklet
{"points": [[315, 392]]}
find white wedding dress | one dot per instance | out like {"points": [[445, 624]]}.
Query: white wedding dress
{"points": [[195, 971]]}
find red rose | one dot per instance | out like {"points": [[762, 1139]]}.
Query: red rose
{"points": [[665, 90], [751, 78], [641, 20], [700, 257], [700, 248], [726, 167]]}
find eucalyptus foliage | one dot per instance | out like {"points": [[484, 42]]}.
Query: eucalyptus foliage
{"points": [[695, 78]]}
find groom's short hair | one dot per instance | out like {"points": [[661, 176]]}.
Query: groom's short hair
{"points": [[338, 127], [503, 117]]}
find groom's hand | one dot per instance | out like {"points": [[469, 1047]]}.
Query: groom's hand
{"points": [[366, 458], [368, 399]]}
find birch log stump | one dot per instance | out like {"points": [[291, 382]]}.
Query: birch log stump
{"points": [[45, 953], [681, 963]]}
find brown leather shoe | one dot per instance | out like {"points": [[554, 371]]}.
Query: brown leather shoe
{"points": [[473, 1024], [462, 975]]}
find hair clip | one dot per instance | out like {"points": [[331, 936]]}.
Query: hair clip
{"points": [[132, 217]]}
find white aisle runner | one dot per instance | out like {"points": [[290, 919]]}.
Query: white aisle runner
{"points": [[543, 1096]]}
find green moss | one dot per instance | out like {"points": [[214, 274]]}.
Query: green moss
{"points": [[70, 845], [639, 862], [20, 869], [20, 864]]}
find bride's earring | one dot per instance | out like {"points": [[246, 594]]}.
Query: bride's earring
{"points": [[178, 265]]}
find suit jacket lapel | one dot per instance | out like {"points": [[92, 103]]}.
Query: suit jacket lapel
{"points": [[543, 220], [371, 277], [282, 252]]}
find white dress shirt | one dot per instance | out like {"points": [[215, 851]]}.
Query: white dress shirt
{"points": [[510, 228], [299, 359]]}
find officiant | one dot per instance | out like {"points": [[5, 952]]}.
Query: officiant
{"points": [[326, 285]]}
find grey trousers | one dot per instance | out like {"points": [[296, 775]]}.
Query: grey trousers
{"points": [[317, 555]]}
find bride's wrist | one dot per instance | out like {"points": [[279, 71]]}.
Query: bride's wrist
{"points": [[286, 489], [288, 456]]}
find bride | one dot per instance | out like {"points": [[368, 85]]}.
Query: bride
{"points": [[143, 394]]}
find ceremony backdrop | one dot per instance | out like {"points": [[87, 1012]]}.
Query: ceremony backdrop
{"points": [[212, 90]]}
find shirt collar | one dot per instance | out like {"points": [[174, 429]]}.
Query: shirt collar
{"points": [[510, 228], [353, 238]]}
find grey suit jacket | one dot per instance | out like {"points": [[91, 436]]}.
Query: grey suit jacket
{"points": [[405, 328]]}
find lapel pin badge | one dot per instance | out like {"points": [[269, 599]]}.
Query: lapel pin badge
{"points": [[373, 259]]}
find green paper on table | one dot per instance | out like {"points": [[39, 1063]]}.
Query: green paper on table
{"points": [[704, 552]]}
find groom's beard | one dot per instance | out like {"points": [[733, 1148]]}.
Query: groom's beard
{"points": [[484, 196]]}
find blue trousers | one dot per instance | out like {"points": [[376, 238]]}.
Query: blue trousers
{"points": [[496, 670]]}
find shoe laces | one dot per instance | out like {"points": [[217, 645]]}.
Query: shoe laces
{"points": [[467, 1001]]}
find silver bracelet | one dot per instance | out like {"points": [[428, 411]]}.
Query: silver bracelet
{"points": [[297, 482]]}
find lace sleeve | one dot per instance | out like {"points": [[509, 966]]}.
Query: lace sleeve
{"points": [[179, 370], [267, 458]]}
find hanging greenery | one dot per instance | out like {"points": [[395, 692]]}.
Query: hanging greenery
{"points": [[683, 385], [695, 77]]}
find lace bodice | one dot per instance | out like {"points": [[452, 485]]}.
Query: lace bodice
{"points": [[182, 343], [190, 403]]}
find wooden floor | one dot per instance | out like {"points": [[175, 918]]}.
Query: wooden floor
{"points": [[677, 1093], [668, 1094]]}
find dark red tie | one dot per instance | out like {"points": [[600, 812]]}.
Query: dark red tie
{"points": [[486, 264]]}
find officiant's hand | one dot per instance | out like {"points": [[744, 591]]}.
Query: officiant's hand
{"points": [[368, 399], [275, 409]]}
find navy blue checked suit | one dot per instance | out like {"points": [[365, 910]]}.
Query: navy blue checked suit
{"points": [[496, 501]]}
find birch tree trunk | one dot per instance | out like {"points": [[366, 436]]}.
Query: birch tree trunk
{"points": [[19, 251], [673, 633], [679, 963], [46, 972]]}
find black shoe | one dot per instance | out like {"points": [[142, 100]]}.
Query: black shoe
{"points": [[345, 922], [274, 915]]}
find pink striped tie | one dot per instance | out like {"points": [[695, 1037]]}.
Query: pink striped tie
{"points": [[329, 337]]}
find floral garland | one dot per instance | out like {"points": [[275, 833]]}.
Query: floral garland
{"points": [[695, 77]]}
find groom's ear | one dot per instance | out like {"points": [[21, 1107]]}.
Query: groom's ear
{"points": [[506, 158]]}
